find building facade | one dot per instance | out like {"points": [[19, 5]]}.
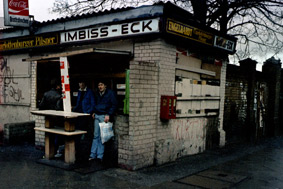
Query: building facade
{"points": [[147, 54]]}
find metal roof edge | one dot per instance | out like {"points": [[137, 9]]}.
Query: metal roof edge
{"points": [[82, 21], [110, 16]]}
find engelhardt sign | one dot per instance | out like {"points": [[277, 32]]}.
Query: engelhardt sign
{"points": [[16, 13], [118, 30], [193, 33], [186, 31]]}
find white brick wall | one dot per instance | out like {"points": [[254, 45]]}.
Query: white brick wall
{"points": [[222, 101], [166, 86], [39, 120], [152, 73], [136, 150]]}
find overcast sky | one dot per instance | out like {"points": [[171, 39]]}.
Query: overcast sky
{"points": [[40, 9]]}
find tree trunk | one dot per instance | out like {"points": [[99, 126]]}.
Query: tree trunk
{"points": [[224, 18], [200, 10]]}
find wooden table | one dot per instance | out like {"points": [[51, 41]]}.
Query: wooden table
{"points": [[68, 131]]}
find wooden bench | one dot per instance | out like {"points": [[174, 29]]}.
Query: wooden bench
{"points": [[68, 131]]}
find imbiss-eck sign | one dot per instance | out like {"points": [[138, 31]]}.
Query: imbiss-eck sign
{"points": [[117, 30], [16, 13]]}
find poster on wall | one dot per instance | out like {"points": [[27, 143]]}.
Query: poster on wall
{"points": [[16, 13]]}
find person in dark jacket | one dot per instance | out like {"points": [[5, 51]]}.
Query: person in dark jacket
{"points": [[52, 99], [85, 100], [104, 109], [85, 104]]}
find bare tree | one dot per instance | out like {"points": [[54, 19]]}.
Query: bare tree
{"points": [[258, 24], [78, 7]]}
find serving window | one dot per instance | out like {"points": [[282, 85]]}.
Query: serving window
{"points": [[89, 67]]}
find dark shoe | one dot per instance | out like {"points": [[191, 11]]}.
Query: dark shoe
{"points": [[91, 159], [98, 160]]}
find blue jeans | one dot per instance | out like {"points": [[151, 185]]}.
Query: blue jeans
{"points": [[97, 148]]}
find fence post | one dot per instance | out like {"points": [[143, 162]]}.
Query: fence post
{"points": [[248, 68], [272, 73]]}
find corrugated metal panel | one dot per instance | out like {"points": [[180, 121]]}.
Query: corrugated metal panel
{"points": [[90, 19]]}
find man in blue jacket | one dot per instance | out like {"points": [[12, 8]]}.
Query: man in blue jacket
{"points": [[104, 109], [85, 100], [85, 104]]}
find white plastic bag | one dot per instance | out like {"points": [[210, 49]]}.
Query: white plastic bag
{"points": [[106, 131]]}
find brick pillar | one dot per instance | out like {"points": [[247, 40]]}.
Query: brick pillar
{"points": [[142, 116], [222, 102], [272, 72], [39, 120], [33, 85], [137, 148], [165, 144], [248, 68]]}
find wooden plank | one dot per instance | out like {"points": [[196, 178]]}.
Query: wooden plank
{"points": [[196, 115], [59, 113], [60, 131], [213, 68], [199, 98], [57, 55], [186, 74], [189, 61], [70, 155], [49, 146], [76, 52], [101, 75], [196, 70]]}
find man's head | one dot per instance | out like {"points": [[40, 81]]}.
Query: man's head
{"points": [[82, 85], [58, 87], [102, 86], [55, 84]]}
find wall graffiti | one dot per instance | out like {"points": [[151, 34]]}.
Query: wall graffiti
{"points": [[189, 129], [9, 88], [191, 134]]}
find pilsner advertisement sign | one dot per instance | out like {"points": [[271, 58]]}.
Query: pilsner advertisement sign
{"points": [[16, 13]]}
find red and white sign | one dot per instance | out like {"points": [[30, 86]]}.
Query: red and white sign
{"points": [[18, 7], [16, 13], [65, 83]]}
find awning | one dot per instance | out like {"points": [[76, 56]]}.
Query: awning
{"points": [[77, 52]]}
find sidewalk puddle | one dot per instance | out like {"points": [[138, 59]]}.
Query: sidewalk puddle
{"points": [[212, 179]]}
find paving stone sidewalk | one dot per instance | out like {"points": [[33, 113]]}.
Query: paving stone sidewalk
{"points": [[246, 165]]}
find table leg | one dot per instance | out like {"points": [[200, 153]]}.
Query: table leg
{"points": [[49, 145], [70, 152], [69, 125], [49, 122]]}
